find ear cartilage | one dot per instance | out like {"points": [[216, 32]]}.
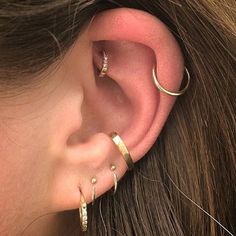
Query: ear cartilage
{"points": [[104, 69]]}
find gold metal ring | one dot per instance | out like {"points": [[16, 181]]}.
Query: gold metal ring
{"points": [[113, 168], [104, 69], [93, 181], [123, 150], [162, 89], [83, 214]]}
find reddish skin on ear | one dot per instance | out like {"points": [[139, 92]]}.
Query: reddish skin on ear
{"points": [[132, 69]]}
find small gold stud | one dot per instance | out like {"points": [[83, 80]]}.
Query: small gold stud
{"points": [[113, 168], [94, 180]]}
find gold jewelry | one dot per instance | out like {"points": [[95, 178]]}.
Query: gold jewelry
{"points": [[83, 214], [178, 93], [123, 149], [113, 168], [104, 66], [93, 181]]}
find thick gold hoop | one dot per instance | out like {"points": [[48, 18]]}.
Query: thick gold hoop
{"points": [[162, 89], [123, 150]]}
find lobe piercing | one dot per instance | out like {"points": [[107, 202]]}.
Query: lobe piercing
{"points": [[93, 181], [83, 214], [113, 168]]}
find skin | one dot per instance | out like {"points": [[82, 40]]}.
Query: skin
{"points": [[30, 123], [35, 128], [54, 134]]}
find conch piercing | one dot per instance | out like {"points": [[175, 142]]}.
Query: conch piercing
{"points": [[93, 181], [162, 89], [83, 214], [104, 69], [123, 149], [113, 168]]}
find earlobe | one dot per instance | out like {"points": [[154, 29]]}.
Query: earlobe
{"points": [[135, 43]]}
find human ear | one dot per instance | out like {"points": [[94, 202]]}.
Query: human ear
{"points": [[126, 100], [135, 41]]}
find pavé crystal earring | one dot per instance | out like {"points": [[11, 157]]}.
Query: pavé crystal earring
{"points": [[83, 214], [104, 69]]}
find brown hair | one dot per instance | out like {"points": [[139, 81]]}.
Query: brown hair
{"points": [[193, 160]]}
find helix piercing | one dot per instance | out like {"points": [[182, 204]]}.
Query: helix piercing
{"points": [[162, 89], [123, 149], [93, 181], [83, 214], [104, 69], [113, 168]]}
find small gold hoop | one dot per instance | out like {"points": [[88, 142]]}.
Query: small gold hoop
{"points": [[162, 89], [113, 168], [93, 181], [104, 69], [123, 149], [83, 214]]}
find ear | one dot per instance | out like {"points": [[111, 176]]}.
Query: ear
{"points": [[135, 42], [126, 101]]}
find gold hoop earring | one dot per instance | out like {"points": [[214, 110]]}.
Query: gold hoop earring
{"points": [[104, 69], [162, 89], [123, 149], [113, 168], [83, 214], [93, 181]]}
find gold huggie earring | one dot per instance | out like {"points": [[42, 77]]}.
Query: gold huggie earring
{"points": [[175, 94], [113, 168], [104, 66], [123, 149], [93, 181], [83, 214]]}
